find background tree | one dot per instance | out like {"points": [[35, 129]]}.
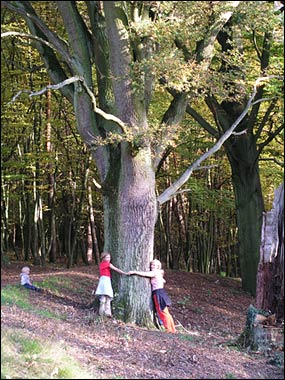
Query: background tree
{"points": [[58, 153], [263, 123]]}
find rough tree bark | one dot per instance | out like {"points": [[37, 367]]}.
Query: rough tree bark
{"points": [[270, 276]]}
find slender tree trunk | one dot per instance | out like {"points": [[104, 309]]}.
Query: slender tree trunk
{"points": [[4, 218], [70, 230], [189, 238], [27, 225], [169, 233], [88, 249], [95, 246], [182, 226], [175, 231], [52, 249], [35, 239], [42, 251]]}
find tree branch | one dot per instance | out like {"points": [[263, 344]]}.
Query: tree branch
{"points": [[270, 138], [99, 111], [57, 44], [280, 163], [172, 190]]}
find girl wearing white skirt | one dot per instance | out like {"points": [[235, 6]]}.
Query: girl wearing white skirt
{"points": [[104, 289]]}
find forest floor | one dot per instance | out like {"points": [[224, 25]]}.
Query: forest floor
{"points": [[208, 310]]}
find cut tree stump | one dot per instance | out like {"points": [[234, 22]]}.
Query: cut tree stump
{"points": [[267, 337], [261, 332]]}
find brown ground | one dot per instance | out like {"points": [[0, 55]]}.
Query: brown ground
{"points": [[209, 312]]}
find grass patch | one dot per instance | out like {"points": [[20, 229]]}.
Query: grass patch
{"points": [[186, 300], [17, 295], [58, 284], [25, 346], [230, 376], [197, 310], [25, 358], [187, 337]]}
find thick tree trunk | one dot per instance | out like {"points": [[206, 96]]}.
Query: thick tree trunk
{"points": [[130, 216], [242, 154], [270, 276]]}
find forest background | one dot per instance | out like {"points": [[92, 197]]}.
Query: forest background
{"points": [[59, 203]]}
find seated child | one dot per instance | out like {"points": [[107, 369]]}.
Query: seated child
{"points": [[26, 281]]}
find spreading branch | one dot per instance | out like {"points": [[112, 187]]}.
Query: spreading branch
{"points": [[99, 111], [171, 191], [28, 36]]}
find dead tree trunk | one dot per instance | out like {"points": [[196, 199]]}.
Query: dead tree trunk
{"points": [[263, 330], [270, 275]]}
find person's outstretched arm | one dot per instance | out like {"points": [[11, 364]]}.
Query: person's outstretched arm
{"points": [[142, 274], [117, 269]]}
